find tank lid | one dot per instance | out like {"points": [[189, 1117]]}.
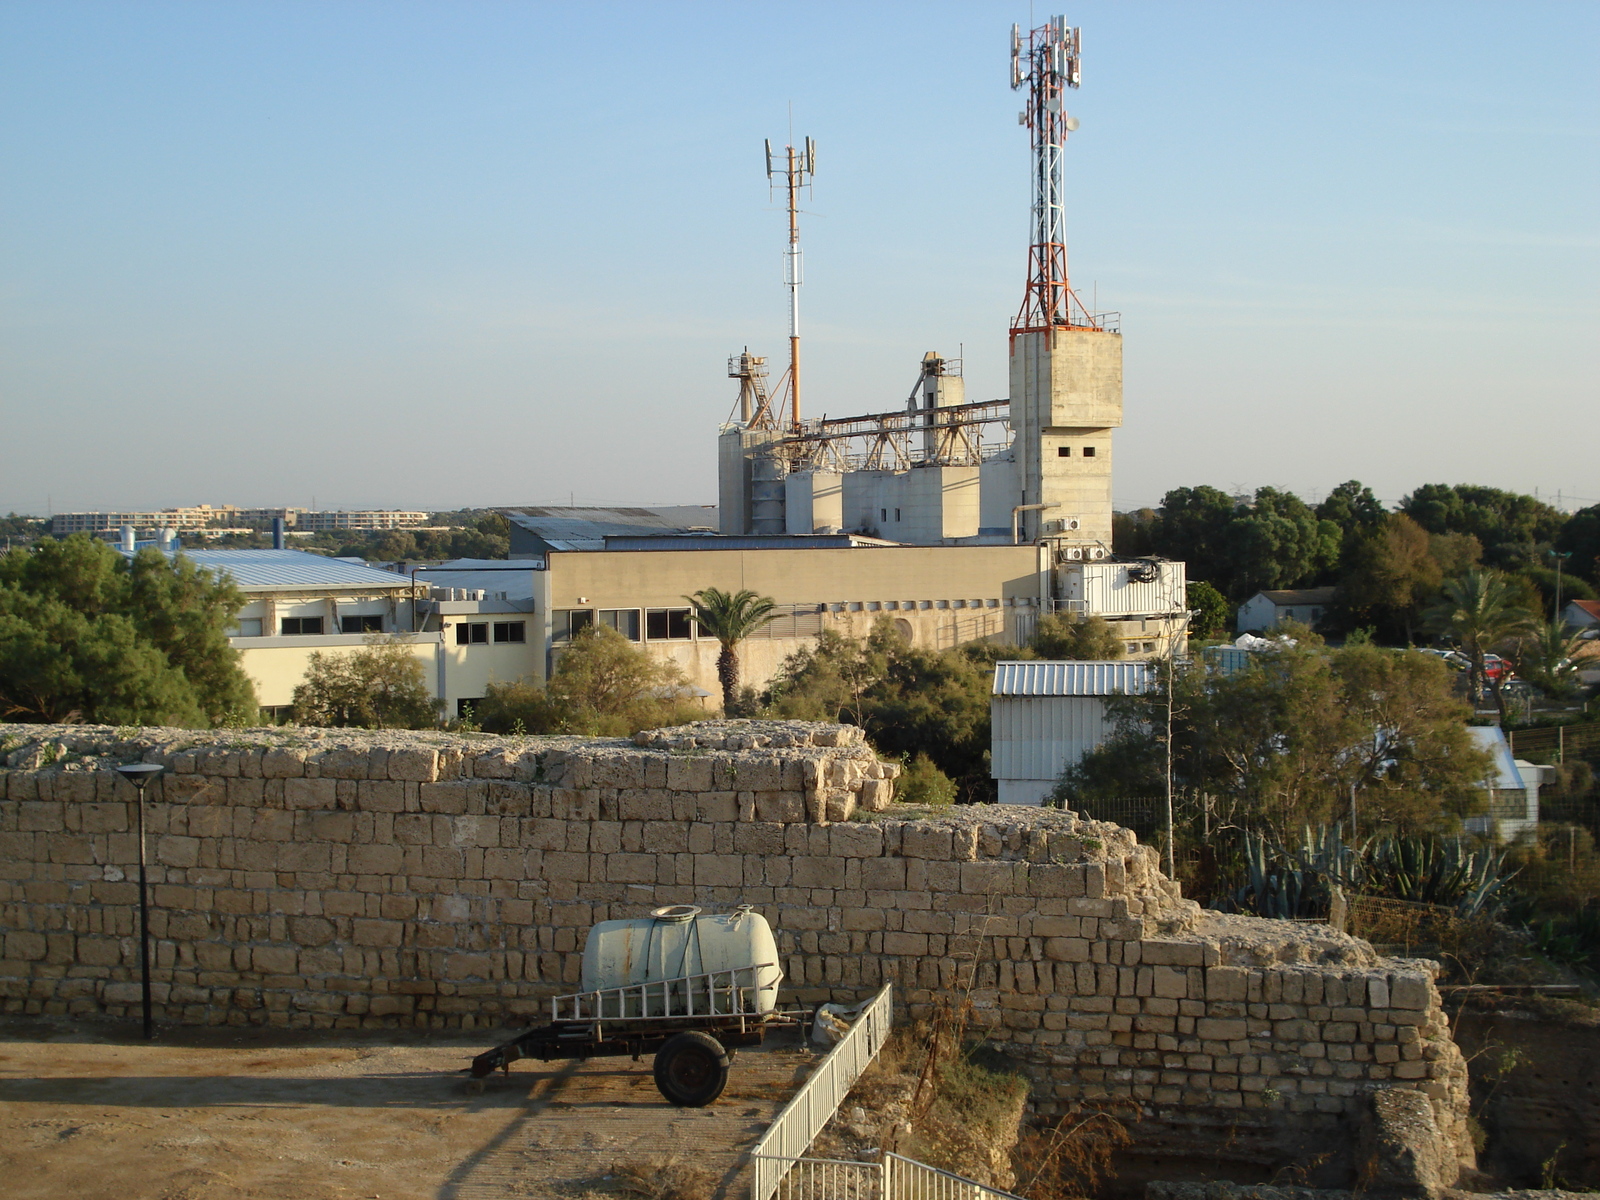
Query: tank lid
{"points": [[676, 912]]}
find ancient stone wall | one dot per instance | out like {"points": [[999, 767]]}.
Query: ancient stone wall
{"points": [[338, 879]]}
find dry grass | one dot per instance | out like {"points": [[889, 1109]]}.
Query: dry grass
{"points": [[664, 1177], [1072, 1155]]}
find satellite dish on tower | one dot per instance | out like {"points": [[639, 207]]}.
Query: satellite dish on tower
{"points": [[1071, 124]]}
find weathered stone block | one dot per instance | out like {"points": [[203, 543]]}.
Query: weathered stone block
{"points": [[310, 793], [415, 764]]}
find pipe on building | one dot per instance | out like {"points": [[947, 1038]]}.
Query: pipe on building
{"points": [[1016, 519]]}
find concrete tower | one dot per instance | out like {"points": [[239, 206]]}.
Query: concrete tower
{"points": [[1066, 362]]}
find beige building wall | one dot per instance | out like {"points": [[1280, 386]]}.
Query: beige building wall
{"points": [[1066, 399]]}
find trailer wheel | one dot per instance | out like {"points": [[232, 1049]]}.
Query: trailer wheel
{"points": [[691, 1069]]}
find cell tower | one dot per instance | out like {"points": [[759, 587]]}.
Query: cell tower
{"points": [[1046, 62], [792, 172]]}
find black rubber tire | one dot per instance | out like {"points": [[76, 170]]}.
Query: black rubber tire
{"points": [[691, 1069]]}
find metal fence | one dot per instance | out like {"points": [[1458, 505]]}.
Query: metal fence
{"points": [[894, 1178], [796, 1127]]}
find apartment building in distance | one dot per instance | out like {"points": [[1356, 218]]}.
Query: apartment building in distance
{"points": [[207, 516]]}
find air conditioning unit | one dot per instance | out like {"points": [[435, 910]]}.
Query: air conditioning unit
{"points": [[1061, 525], [1069, 523], [1097, 553], [1073, 553]]}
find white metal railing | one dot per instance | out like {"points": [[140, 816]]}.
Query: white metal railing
{"points": [[790, 1135], [718, 994], [826, 1179], [894, 1178], [908, 1179]]}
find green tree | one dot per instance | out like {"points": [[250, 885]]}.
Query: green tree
{"points": [[1391, 574], [1358, 514], [1070, 636], [1278, 543], [1190, 526], [380, 686], [85, 634], [1480, 611], [1546, 655], [603, 686], [730, 617], [1580, 537], [1281, 743], [1509, 526], [908, 699], [1210, 609]]}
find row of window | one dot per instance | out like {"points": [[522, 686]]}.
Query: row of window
{"points": [[1066, 451], [659, 624], [477, 633]]}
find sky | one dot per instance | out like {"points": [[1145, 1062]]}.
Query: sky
{"points": [[431, 255]]}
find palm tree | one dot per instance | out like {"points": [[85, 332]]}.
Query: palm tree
{"points": [[1478, 611], [1546, 655], [730, 617]]}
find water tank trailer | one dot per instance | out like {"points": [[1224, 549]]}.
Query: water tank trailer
{"points": [[683, 984]]}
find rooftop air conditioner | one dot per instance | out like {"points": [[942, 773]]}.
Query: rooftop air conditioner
{"points": [[1097, 553], [1074, 553]]}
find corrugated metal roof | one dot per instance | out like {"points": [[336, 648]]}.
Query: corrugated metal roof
{"points": [[1070, 678], [592, 524], [287, 570]]}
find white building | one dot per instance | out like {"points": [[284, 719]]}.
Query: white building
{"points": [[1265, 610], [1045, 716], [1513, 787]]}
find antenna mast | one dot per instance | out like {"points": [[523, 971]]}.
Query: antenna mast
{"points": [[1046, 62], [796, 171]]}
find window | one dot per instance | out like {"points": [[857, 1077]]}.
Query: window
{"points": [[510, 631], [883, 514], [472, 634], [667, 624], [300, 626], [568, 623], [897, 514], [277, 714], [360, 624], [1063, 451], [624, 620], [1088, 451], [247, 627]]}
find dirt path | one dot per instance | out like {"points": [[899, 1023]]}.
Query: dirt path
{"points": [[200, 1115]]}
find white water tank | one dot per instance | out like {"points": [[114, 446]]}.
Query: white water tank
{"points": [[679, 941]]}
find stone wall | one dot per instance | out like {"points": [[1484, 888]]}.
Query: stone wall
{"points": [[348, 880]]}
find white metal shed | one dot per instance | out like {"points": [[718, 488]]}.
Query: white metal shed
{"points": [[1046, 716]]}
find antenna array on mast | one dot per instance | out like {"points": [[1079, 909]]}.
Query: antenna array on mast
{"points": [[1046, 62], [792, 170]]}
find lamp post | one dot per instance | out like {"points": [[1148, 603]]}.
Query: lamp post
{"points": [[140, 774], [1558, 558]]}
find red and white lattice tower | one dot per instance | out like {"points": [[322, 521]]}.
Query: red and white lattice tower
{"points": [[1046, 63]]}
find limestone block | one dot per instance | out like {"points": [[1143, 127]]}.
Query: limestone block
{"points": [[309, 793], [787, 807], [495, 764], [377, 933], [855, 841], [839, 805], [718, 870], [1220, 1029], [812, 872], [572, 805], [1166, 952], [444, 797], [1400, 1149], [274, 960], [1226, 983], [919, 840], [689, 774], [623, 771], [876, 794], [883, 874], [415, 764], [1411, 990], [283, 762], [380, 795]]}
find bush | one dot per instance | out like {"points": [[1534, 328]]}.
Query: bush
{"points": [[924, 783], [380, 686]]}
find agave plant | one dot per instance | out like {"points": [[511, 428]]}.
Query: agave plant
{"points": [[1438, 871]]}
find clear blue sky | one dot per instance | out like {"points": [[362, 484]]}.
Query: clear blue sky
{"points": [[441, 254]]}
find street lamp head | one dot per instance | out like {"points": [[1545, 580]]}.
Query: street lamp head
{"points": [[140, 774]]}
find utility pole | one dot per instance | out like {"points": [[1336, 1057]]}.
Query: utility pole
{"points": [[798, 166], [1172, 871]]}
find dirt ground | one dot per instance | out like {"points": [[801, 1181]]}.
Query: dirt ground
{"points": [[96, 1114]]}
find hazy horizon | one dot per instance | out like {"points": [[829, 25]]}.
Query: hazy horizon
{"points": [[445, 255]]}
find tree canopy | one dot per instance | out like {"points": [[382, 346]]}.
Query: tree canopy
{"points": [[1507, 525], [86, 634], [1280, 743], [1084, 638], [383, 685], [1273, 540]]}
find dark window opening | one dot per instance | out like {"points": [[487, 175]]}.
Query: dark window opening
{"points": [[624, 620], [510, 631], [472, 634], [667, 624], [300, 626], [360, 624], [1088, 451], [570, 622], [1063, 451], [883, 514], [897, 514]]}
